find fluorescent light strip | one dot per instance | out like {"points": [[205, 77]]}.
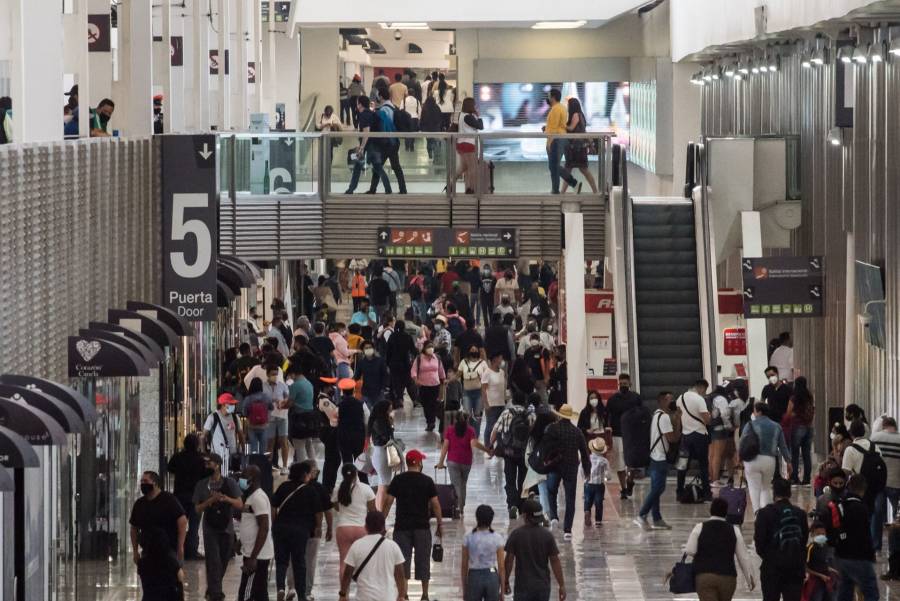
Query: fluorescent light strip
{"points": [[559, 24], [404, 25]]}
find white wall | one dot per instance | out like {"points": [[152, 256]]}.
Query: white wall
{"points": [[319, 66], [697, 24]]}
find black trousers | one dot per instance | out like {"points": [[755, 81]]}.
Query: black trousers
{"points": [[400, 381], [514, 471], [290, 548], [393, 157], [217, 546], [257, 583], [332, 463], [777, 585], [428, 396]]}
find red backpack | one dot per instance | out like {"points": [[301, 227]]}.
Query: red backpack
{"points": [[258, 413]]}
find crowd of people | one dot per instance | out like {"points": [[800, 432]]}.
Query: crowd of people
{"points": [[476, 350]]}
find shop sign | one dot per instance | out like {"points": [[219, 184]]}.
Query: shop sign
{"points": [[190, 226], [598, 302], [99, 33], [90, 357], [735, 341], [783, 287]]}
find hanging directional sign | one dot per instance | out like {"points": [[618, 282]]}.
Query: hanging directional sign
{"points": [[176, 51], [783, 287], [190, 226], [99, 33], [455, 242]]}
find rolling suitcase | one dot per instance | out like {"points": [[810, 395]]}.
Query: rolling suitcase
{"points": [[447, 497], [736, 497]]}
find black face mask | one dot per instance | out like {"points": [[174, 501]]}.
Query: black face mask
{"points": [[623, 388], [473, 355], [146, 488], [104, 119], [837, 491]]}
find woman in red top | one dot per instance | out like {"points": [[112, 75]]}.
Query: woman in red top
{"points": [[798, 420], [459, 440]]}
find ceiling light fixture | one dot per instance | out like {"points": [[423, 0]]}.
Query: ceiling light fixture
{"points": [[417, 25], [805, 62], [559, 24], [774, 63], [743, 69], [729, 69], [818, 57]]}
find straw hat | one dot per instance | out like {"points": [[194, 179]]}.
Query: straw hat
{"points": [[597, 445], [566, 412]]}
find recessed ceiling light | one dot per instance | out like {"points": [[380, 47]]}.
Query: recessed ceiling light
{"points": [[404, 25], [559, 24]]}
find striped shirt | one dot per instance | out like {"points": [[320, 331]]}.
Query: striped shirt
{"points": [[888, 444]]}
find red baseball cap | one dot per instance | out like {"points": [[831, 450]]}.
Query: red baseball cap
{"points": [[227, 399], [328, 380], [415, 456]]}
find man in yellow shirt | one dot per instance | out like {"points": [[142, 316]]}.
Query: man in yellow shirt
{"points": [[556, 147]]}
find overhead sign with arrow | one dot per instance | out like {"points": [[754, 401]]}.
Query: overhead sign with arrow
{"points": [[455, 243], [783, 287]]}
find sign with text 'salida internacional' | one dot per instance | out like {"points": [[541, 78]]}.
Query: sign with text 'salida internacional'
{"points": [[190, 226], [783, 287]]}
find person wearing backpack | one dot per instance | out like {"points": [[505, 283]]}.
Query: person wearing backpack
{"points": [[862, 457], [665, 432], [368, 151], [509, 439], [412, 106], [715, 546], [761, 468], [849, 534], [471, 368], [780, 536], [215, 499], [570, 445], [390, 147], [256, 407], [222, 431]]}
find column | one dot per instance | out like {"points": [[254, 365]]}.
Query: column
{"points": [[165, 70], [224, 120], [197, 93], [99, 75], [134, 104], [36, 57], [319, 67], [757, 341], [240, 115], [576, 321]]}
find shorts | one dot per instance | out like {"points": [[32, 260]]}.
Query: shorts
{"points": [[416, 542], [618, 459], [278, 426]]}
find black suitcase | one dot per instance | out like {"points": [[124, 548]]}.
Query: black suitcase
{"points": [[447, 497], [266, 481]]}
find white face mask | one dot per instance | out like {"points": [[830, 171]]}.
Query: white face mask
{"points": [[773, 380], [67, 118], [594, 402], [753, 417], [820, 539], [429, 351], [369, 352]]}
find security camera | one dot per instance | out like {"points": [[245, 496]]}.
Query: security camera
{"points": [[398, 35]]}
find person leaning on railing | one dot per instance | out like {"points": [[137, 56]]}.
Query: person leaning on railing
{"points": [[469, 123]]}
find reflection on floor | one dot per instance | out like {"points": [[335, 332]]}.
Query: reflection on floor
{"points": [[613, 561]]}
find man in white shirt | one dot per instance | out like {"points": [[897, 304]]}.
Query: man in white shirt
{"points": [[413, 106], [256, 537], [887, 441], [377, 562], [783, 357], [665, 430], [853, 457], [695, 438]]}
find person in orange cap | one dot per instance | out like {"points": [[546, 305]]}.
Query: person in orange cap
{"points": [[351, 426], [222, 431]]}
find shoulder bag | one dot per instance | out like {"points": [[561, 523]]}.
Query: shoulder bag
{"points": [[365, 562], [682, 580]]}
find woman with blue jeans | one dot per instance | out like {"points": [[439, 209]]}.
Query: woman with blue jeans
{"points": [[470, 370], [257, 433], [483, 559], [800, 413]]}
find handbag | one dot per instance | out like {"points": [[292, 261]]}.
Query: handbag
{"points": [[749, 445], [437, 552], [682, 579], [394, 450]]}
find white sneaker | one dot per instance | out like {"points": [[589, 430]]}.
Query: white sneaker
{"points": [[284, 471], [642, 522], [554, 523], [567, 536]]}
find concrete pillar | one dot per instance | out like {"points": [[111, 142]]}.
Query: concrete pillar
{"points": [[319, 67], [466, 55], [576, 321], [757, 341], [165, 69], [99, 75], [36, 57], [239, 88], [256, 33], [134, 91], [224, 44], [197, 92]]}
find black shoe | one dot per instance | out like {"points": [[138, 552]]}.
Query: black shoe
{"points": [[513, 512], [623, 495], [348, 191], [889, 576], [370, 191]]}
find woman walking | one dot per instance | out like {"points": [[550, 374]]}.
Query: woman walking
{"points": [[351, 422], [482, 559], [459, 440], [592, 419], [801, 411], [761, 469], [715, 545], [381, 432], [428, 373], [493, 393], [352, 500], [471, 368], [577, 150]]}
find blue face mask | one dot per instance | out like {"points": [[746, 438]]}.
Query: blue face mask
{"points": [[243, 483], [820, 539], [229, 409]]}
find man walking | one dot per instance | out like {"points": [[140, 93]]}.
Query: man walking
{"points": [[780, 537], [695, 436], [569, 444], [532, 550], [556, 147], [665, 431], [157, 508], [368, 151], [417, 500], [509, 439], [390, 147], [849, 534], [887, 442], [617, 405], [376, 563], [188, 466], [256, 537], [215, 497]]}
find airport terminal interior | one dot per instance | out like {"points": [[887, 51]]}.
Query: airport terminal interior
{"points": [[449, 301]]}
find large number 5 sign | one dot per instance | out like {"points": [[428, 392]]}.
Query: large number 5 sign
{"points": [[182, 227]]}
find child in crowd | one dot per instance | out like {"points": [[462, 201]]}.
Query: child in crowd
{"points": [[595, 484], [820, 571], [821, 479]]}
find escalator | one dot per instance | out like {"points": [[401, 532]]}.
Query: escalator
{"points": [[669, 341]]}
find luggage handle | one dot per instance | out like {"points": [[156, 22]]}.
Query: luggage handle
{"points": [[446, 473]]}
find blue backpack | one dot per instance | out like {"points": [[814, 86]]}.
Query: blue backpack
{"points": [[386, 124]]}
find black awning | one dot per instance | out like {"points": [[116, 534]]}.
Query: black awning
{"points": [[15, 452], [224, 294], [92, 357], [146, 354], [231, 277], [154, 328], [179, 325], [142, 339], [6, 481], [245, 269], [66, 394], [65, 416], [32, 424]]}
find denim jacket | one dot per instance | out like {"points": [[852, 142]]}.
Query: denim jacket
{"points": [[771, 437]]}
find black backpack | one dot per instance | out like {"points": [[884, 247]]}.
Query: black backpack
{"points": [[455, 327], [402, 120], [514, 439], [636, 436], [873, 470], [788, 540], [545, 456]]}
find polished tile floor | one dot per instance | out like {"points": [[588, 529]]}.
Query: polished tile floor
{"points": [[614, 561]]}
